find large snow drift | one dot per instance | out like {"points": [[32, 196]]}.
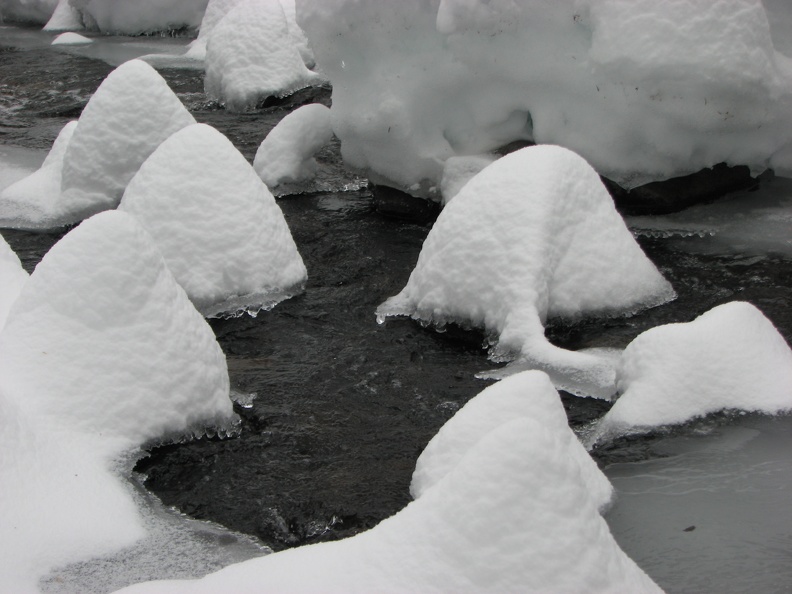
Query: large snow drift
{"points": [[218, 227], [529, 394], [101, 353], [140, 16], [513, 515], [251, 55], [533, 236], [12, 278], [731, 357], [286, 154], [643, 90], [131, 113]]}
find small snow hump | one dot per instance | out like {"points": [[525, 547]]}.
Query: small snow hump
{"points": [[533, 236], [218, 227]]}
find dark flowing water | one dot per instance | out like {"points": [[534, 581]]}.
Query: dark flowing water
{"points": [[343, 406]]}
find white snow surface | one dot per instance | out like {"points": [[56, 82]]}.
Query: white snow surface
{"points": [[643, 90], [530, 395], [514, 515], [458, 171], [251, 55], [731, 357], [66, 17], [33, 201], [286, 154], [71, 38], [218, 227], [12, 278], [101, 353], [533, 236], [27, 11], [140, 16]]}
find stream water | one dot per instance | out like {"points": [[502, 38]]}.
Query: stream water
{"points": [[335, 408]]}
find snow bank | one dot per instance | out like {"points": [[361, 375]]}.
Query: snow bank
{"points": [[33, 201], [70, 38], [554, 247], [530, 395], [514, 515], [250, 55], [286, 154], [26, 11], [101, 353], [643, 90], [131, 113], [218, 227], [140, 16], [731, 357], [12, 278]]}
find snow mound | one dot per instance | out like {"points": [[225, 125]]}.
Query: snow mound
{"points": [[101, 353], [554, 246], [514, 515], [140, 16], [731, 357], [12, 278], [250, 55], [131, 113], [32, 202], [643, 90], [458, 171], [65, 18], [530, 395], [218, 227], [70, 38], [286, 154], [26, 11]]}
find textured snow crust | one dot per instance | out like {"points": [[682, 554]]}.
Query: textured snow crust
{"points": [[514, 515], [251, 55], [218, 227], [729, 358], [101, 353], [286, 154], [533, 236], [643, 90]]}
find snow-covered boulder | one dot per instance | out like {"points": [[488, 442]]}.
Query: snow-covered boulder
{"points": [[218, 227], [514, 515], [101, 353], [71, 38], [66, 17], [26, 11], [533, 236], [12, 278], [32, 202], [530, 395], [286, 154], [643, 90], [140, 16], [250, 55], [731, 357]]}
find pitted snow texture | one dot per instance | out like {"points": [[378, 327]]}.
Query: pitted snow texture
{"points": [[129, 116], [218, 227]]}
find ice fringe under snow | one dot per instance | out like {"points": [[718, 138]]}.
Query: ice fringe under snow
{"points": [[643, 90], [533, 236], [131, 113], [729, 358], [286, 154], [513, 515], [218, 227], [529, 394], [251, 55], [101, 353], [12, 278]]}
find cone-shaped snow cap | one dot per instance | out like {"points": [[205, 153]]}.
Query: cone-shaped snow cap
{"points": [[534, 235], [103, 340], [129, 116], [218, 227], [731, 357]]}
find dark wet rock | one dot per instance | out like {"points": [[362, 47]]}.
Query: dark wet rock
{"points": [[678, 193], [398, 204]]}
